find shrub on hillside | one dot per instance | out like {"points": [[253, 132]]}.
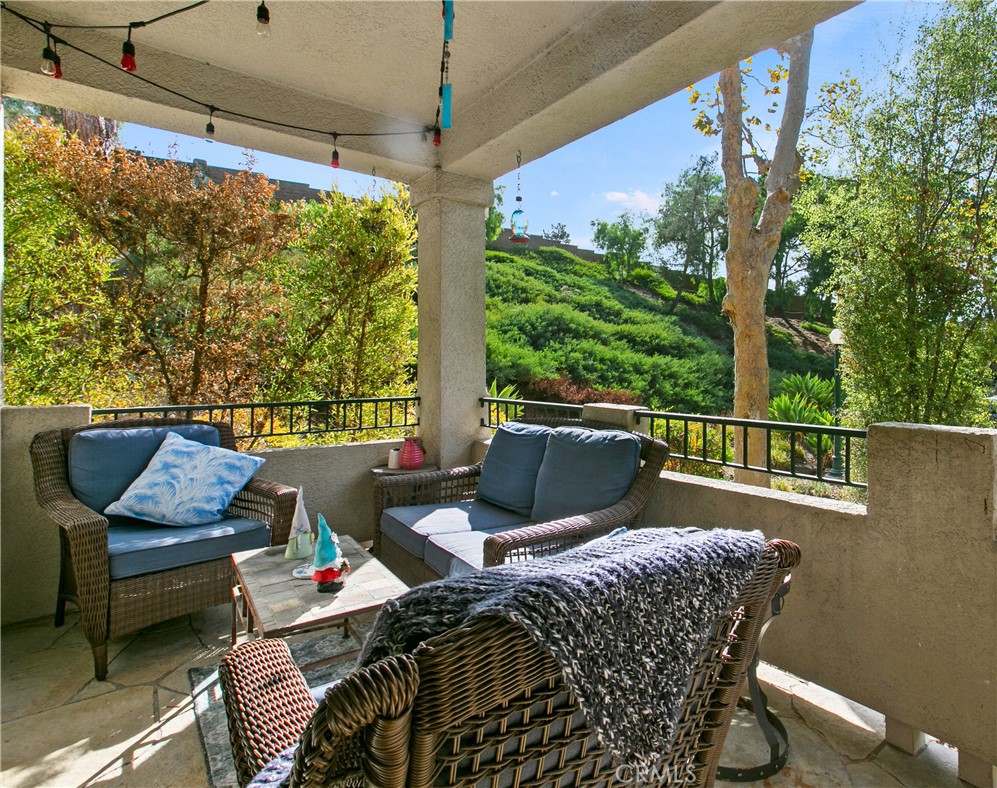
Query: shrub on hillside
{"points": [[561, 389]]}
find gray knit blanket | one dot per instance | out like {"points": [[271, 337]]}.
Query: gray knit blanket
{"points": [[626, 619]]}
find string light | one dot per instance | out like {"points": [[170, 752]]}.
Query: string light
{"points": [[128, 54], [335, 152], [263, 20], [47, 66], [51, 65]]}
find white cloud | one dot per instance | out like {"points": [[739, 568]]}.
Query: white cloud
{"points": [[634, 200], [554, 193]]}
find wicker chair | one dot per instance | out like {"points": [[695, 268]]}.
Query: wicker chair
{"points": [[109, 608], [532, 541], [481, 704]]}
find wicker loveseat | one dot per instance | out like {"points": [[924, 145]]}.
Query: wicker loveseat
{"points": [[152, 575], [415, 500], [482, 704]]}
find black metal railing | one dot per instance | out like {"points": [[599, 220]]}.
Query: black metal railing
{"points": [[804, 451], [500, 410], [276, 419]]}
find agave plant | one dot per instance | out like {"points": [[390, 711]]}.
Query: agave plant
{"points": [[813, 389], [798, 409]]}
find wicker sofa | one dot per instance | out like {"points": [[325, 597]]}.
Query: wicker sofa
{"points": [[517, 537], [480, 704], [115, 598]]}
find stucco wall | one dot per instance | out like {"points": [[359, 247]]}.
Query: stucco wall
{"points": [[336, 480], [29, 541], [894, 604]]}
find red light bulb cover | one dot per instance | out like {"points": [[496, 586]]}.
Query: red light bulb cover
{"points": [[437, 137], [58, 67], [335, 159], [128, 56]]}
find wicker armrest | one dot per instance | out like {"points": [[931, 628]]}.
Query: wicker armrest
{"points": [[269, 501], [344, 743], [413, 489], [267, 703], [534, 541]]}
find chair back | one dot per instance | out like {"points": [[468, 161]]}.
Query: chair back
{"points": [[485, 700]]}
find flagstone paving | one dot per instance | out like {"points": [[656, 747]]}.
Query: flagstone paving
{"points": [[60, 727]]}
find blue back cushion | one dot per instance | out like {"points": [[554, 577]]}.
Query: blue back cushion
{"points": [[584, 471], [103, 463], [509, 471]]}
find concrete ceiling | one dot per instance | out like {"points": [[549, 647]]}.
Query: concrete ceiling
{"points": [[530, 76]]}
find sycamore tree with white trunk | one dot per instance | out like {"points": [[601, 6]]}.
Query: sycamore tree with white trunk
{"points": [[754, 224]]}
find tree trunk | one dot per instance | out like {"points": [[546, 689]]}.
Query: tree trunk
{"points": [[751, 246]]}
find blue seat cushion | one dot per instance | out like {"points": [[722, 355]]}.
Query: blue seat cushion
{"points": [[137, 547], [509, 471], [584, 471], [411, 526], [458, 553], [104, 462]]}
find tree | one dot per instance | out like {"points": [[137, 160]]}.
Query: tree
{"points": [[623, 243], [753, 236], [137, 281], [192, 261], [558, 232], [912, 228], [690, 222], [63, 337], [351, 278], [495, 218]]}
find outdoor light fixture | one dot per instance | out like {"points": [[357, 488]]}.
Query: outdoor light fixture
{"points": [[263, 20], [335, 153], [58, 66], [210, 128], [437, 137], [517, 222], [128, 54], [837, 338]]}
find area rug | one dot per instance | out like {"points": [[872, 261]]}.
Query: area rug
{"points": [[209, 708]]}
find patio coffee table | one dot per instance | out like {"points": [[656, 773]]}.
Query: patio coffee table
{"points": [[268, 601]]}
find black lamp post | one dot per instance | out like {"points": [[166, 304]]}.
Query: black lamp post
{"points": [[837, 339]]}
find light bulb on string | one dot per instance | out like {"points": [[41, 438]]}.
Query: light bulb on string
{"points": [[58, 66], [335, 153], [209, 129], [437, 137], [47, 65], [263, 20], [518, 223], [128, 53]]}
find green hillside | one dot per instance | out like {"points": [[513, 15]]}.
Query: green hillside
{"points": [[552, 316]]}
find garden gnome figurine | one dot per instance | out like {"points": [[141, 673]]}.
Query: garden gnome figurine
{"points": [[330, 564], [299, 542]]}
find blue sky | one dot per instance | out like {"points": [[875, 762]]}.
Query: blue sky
{"points": [[622, 166]]}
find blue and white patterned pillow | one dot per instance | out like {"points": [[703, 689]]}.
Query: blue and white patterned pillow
{"points": [[186, 483]]}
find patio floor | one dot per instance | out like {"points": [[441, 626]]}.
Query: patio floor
{"points": [[62, 728]]}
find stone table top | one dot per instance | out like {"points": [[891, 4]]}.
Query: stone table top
{"points": [[282, 605]]}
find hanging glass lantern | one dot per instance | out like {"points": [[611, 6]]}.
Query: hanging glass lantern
{"points": [[518, 224]]}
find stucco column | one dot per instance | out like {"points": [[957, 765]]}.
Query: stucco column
{"points": [[451, 210]]}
